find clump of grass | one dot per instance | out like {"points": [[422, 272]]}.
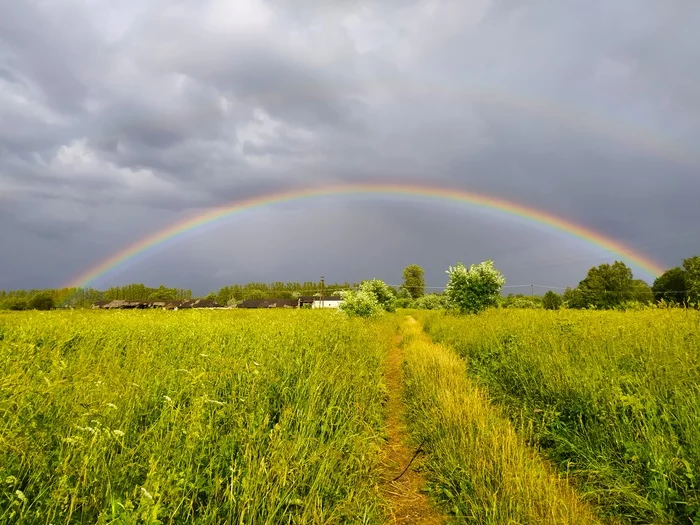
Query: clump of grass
{"points": [[189, 417], [612, 397], [477, 466]]}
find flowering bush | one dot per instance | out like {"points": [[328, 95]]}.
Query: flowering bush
{"points": [[471, 290], [361, 303]]}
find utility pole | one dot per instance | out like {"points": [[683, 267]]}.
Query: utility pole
{"points": [[532, 288], [322, 287]]}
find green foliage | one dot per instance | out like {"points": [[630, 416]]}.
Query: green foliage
{"points": [[611, 397], [360, 303], [372, 299], [381, 291], [403, 303], [430, 302], [277, 290], [414, 281], [641, 292], [402, 293], [692, 279], [671, 287], [41, 301], [14, 303], [190, 417], [552, 300], [574, 298], [474, 289], [608, 286], [521, 302]]}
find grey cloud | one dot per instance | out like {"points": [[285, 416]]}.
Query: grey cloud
{"points": [[120, 119]]}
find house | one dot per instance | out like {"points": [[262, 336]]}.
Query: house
{"points": [[268, 303], [332, 301], [200, 303], [166, 305]]}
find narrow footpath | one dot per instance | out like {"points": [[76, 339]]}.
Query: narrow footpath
{"points": [[408, 503]]}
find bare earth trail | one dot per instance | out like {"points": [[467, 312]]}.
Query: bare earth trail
{"points": [[408, 503]]}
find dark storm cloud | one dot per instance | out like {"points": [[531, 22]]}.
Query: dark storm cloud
{"points": [[120, 119]]}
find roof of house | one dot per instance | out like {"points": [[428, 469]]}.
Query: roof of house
{"points": [[200, 303], [268, 303]]}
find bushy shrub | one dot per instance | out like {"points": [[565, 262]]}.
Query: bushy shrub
{"points": [[41, 301], [473, 289], [552, 300], [403, 303], [361, 303], [430, 302], [520, 302], [372, 299]]}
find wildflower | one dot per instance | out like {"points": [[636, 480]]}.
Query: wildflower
{"points": [[21, 496], [146, 493], [10, 480], [167, 398], [118, 433]]}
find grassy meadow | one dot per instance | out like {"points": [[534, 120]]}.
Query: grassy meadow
{"points": [[267, 417], [478, 468], [190, 417], [612, 398]]}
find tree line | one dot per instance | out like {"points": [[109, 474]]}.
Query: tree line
{"points": [[604, 287]]}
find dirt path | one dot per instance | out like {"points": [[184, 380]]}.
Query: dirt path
{"points": [[408, 503]]}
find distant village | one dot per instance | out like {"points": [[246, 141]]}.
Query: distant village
{"points": [[301, 302]]}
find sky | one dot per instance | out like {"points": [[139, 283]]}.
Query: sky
{"points": [[119, 119]]}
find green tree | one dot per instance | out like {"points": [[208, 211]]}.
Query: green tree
{"points": [[403, 293], [608, 285], [471, 290], [414, 280], [641, 292], [692, 279], [41, 301], [671, 286], [573, 298], [552, 300]]}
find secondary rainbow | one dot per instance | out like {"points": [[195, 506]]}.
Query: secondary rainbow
{"points": [[397, 190]]}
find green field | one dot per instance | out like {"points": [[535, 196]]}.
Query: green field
{"points": [[229, 416], [612, 397], [206, 417]]}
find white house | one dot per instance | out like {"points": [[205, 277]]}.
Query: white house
{"points": [[328, 302]]}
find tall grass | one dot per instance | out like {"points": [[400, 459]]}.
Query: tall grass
{"points": [[612, 397], [477, 465], [189, 417]]}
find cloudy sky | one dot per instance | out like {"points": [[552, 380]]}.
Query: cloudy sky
{"points": [[118, 119]]}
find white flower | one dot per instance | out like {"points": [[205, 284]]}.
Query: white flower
{"points": [[167, 398]]}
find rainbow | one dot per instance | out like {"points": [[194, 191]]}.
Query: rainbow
{"points": [[392, 190]]}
